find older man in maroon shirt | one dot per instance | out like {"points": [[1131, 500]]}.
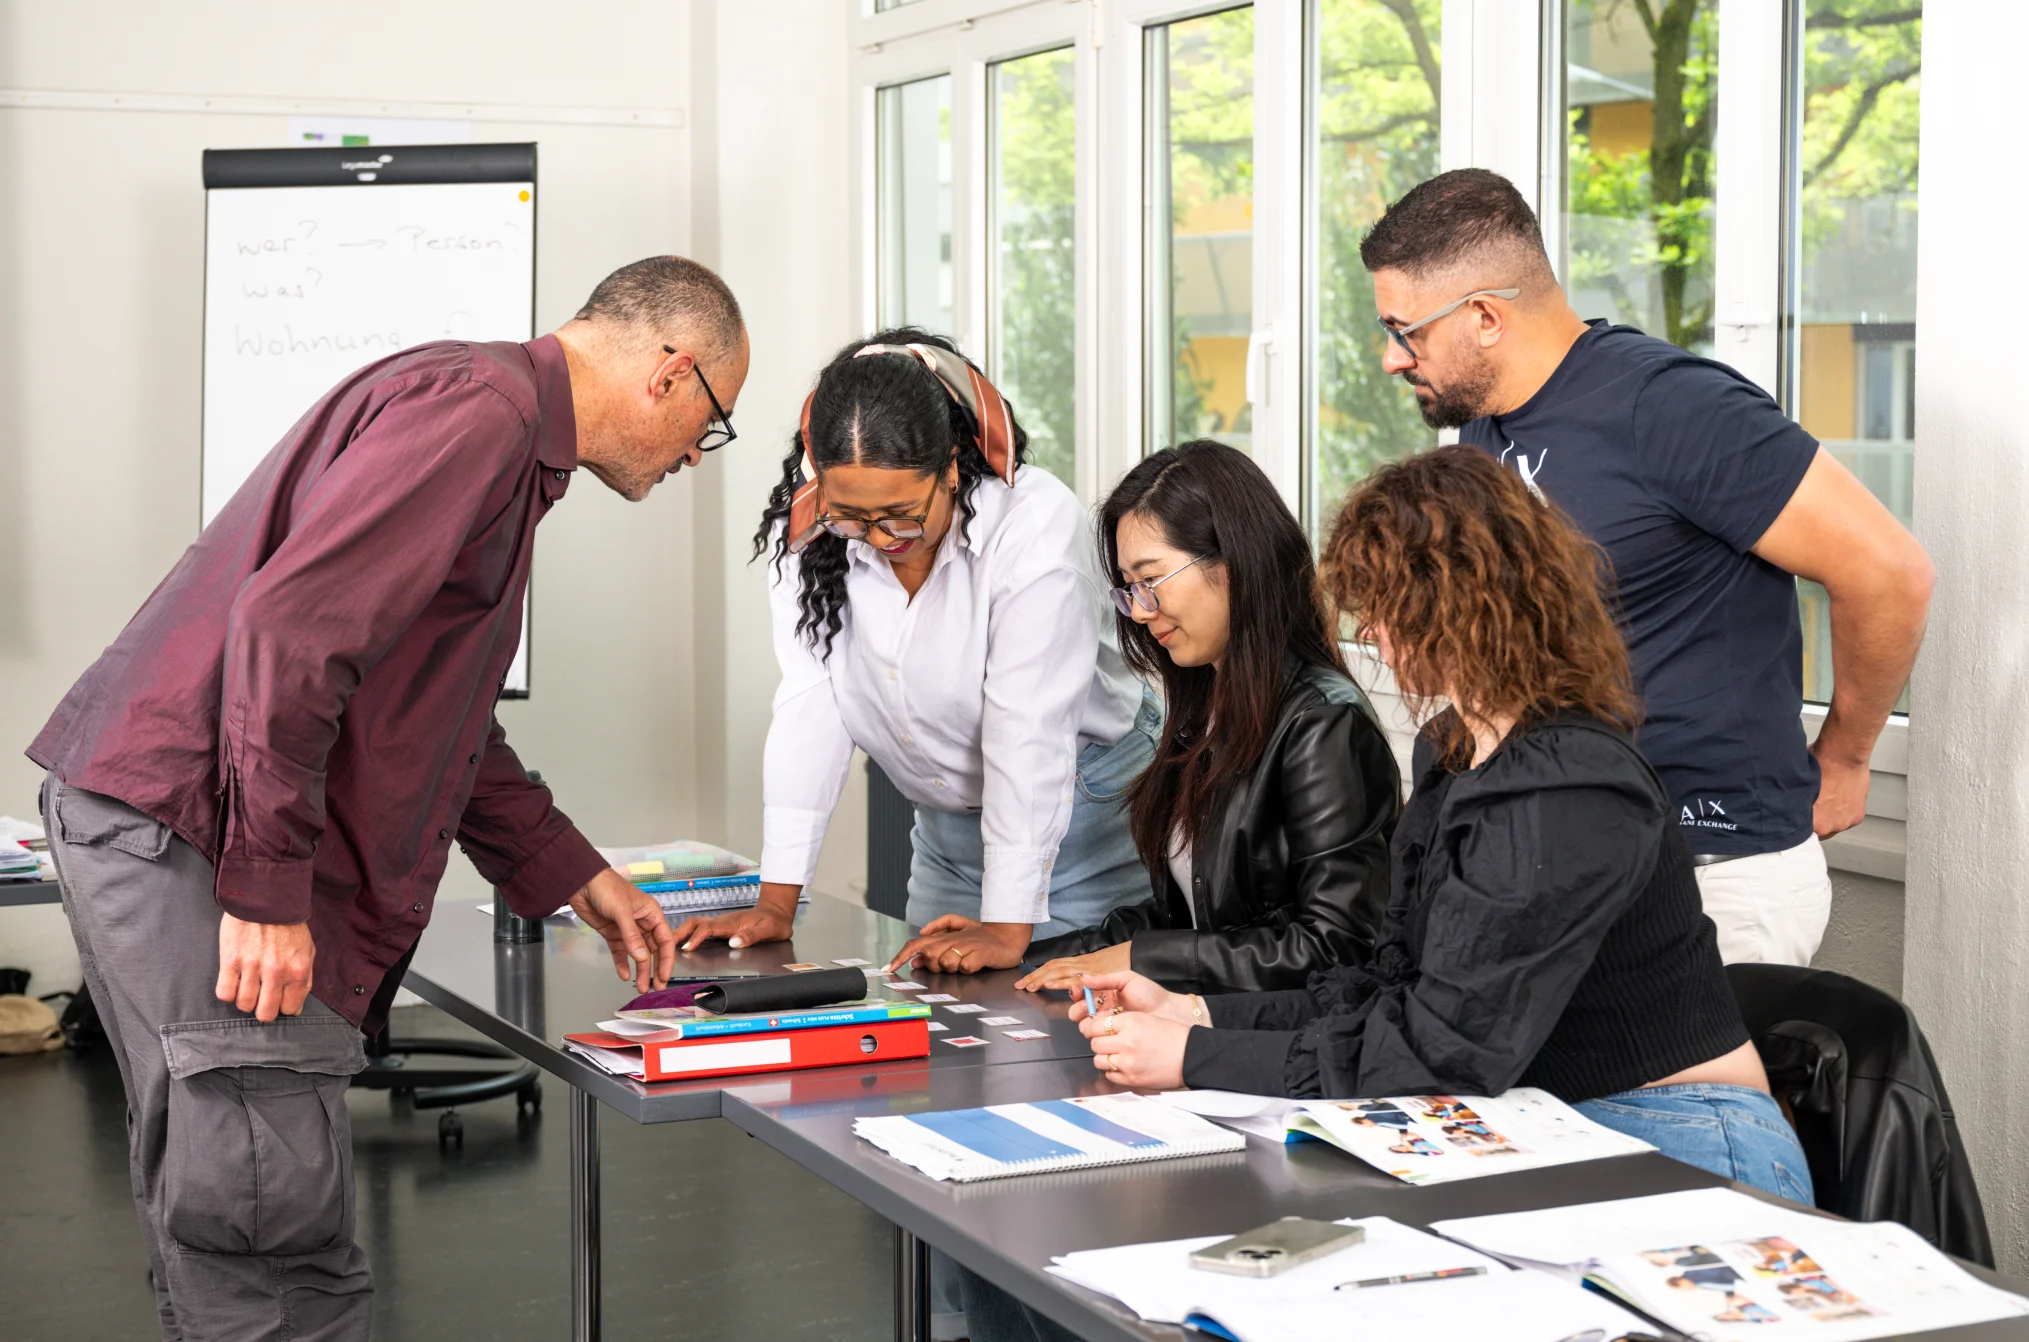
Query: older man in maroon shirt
{"points": [[253, 793]]}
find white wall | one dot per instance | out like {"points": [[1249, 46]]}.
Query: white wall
{"points": [[772, 191], [1967, 926], [101, 230]]}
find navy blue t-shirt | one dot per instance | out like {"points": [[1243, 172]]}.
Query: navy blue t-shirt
{"points": [[1676, 466]]}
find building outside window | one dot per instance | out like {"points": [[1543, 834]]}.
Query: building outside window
{"points": [[1200, 82], [1641, 84], [1855, 261], [1032, 291], [1374, 97]]}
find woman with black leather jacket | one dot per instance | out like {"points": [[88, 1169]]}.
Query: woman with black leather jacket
{"points": [[1266, 814]]}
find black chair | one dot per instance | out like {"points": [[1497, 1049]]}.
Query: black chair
{"points": [[388, 1069], [1854, 1069]]}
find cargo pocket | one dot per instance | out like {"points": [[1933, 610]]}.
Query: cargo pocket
{"points": [[259, 1153], [86, 818]]}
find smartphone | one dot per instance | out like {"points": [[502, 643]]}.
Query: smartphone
{"points": [[1277, 1247]]}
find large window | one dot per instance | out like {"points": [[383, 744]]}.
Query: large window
{"points": [[913, 206], [1641, 82], [1374, 96], [1200, 185], [1855, 260], [1032, 293]]}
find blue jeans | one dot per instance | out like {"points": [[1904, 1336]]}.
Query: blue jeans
{"points": [[1734, 1132], [1096, 870]]}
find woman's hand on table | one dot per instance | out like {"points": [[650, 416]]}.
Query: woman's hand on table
{"points": [[958, 945], [773, 919], [1066, 971], [1129, 992], [1137, 1048]]}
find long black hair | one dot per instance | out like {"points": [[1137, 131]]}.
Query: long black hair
{"points": [[883, 411], [1207, 499]]}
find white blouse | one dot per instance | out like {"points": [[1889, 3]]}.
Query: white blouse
{"points": [[978, 695]]}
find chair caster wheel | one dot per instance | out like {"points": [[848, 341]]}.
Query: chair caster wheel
{"points": [[528, 1100], [450, 1128]]}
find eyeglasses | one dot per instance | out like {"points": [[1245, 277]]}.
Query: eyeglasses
{"points": [[719, 429], [895, 528], [1142, 594], [1400, 334]]}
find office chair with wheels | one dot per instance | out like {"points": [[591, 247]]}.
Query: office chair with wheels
{"points": [[388, 1069], [1870, 1106]]}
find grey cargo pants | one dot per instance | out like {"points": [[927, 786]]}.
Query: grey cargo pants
{"points": [[238, 1136]]}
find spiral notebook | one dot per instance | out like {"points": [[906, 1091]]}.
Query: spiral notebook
{"points": [[1043, 1137]]}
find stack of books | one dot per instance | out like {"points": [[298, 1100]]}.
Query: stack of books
{"points": [[687, 876]]}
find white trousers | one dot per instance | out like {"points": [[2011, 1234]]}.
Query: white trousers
{"points": [[1770, 908]]}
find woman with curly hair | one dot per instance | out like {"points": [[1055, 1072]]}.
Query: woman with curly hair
{"points": [[1543, 925], [937, 604]]}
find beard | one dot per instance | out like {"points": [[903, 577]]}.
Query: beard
{"points": [[1459, 402]]}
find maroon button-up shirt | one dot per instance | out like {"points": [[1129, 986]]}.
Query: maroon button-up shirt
{"points": [[308, 697]]}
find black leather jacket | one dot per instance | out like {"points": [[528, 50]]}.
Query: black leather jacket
{"points": [[1292, 876]]}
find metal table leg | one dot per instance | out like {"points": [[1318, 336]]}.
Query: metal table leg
{"points": [[912, 1288], [584, 1217]]}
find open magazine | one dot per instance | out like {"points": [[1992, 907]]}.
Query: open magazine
{"points": [[1720, 1265], [1428, 1139]]}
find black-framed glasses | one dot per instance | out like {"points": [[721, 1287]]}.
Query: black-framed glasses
{"points": [[719, 430], [1142, 594], [895, 528], [1400, 334]]}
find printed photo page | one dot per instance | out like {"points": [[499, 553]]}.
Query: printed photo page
{"points": [[1432, 1139]]}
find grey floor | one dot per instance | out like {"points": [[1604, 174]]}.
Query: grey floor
{"points": [[707, 1232]]}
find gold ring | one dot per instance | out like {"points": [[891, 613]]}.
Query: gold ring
{"points": [[1110, 1064]]}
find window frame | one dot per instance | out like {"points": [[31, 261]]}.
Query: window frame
{"points": [[963, 38]]}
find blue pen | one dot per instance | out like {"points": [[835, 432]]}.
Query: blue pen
{"points": [[1091, 1007]]}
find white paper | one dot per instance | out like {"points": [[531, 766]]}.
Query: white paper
{"points": [[1158, 1283], [1227, 1103]]}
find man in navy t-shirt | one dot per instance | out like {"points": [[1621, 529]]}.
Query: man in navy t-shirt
{"points": [[1709, 502]]}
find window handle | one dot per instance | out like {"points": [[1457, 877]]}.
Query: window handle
{"points": [[1259, 343]]}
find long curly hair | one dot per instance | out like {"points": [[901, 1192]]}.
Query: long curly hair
{"points": [[1211, 502], [884, 411], [1485, 590]]}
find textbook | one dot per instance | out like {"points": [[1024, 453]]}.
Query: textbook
{"points": [[662, 1059], [1720, 1265], [1427, 1139], [1045, 1136], [660, 1024]]}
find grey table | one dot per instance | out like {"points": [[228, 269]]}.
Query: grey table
{"points": [[526, 997], [14, 894], [1007, 1230]]}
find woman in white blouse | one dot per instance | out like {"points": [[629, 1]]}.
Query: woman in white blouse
{"points": [[938, 604]]}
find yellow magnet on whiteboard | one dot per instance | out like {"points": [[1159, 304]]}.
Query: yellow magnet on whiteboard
{"points": [[524, 196]]}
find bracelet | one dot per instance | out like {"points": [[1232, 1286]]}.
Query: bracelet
{"points": [[1197, 1010]]}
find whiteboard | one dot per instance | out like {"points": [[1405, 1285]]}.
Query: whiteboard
{"points": [[305, 284]]}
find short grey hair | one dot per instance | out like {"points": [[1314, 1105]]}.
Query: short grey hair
{"points": [[668, 294]]}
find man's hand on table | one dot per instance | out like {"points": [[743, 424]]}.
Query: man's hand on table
{"points": [[773, 919], [631, 921], [264, 968], [955, 944]]}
